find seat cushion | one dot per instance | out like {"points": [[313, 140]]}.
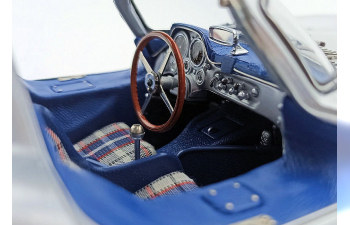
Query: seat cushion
{"points": [[169, 184], [112, 145]]}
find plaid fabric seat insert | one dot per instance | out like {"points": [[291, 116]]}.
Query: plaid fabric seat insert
{"points": [[61, 151], [169, 184], [112, 145]]}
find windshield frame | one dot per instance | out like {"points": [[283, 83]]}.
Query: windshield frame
{"points": [[323, 88], [280, 62]]}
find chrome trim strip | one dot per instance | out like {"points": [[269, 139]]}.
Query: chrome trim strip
{"points": [[255, 78]]}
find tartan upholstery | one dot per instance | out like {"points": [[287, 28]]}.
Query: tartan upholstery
{"points": [[112, 145], [169, 184], [61, 151]]}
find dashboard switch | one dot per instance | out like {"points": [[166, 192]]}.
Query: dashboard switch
{"points": [[241, 86], [207, 67], [243, 95], [255, 92], [227, 81], [222, 86], [216, 77], [232, 91]]}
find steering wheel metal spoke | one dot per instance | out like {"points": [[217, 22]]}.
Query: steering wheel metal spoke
{"points": [[166, 100], [145, 63], [165, 61], [147, 100]]}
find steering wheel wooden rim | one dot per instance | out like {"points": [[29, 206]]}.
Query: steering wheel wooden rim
{"points": [[181, 81]]}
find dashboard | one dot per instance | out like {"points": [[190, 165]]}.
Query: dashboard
{"points": [[205, 73]]}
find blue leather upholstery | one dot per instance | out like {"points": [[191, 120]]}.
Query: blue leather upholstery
{"points": [[82, 112], [302, 181]]}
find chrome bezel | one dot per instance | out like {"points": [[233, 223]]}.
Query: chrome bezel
{"points": [[190, 52], [182, 33], [232, 31], [199, 83], [189, 69], [200, 37]]}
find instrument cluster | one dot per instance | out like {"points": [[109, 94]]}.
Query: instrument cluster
{"points": [[193, 53], [203, 75]]}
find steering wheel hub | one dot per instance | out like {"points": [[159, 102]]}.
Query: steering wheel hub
{"points": [[151, 82]]}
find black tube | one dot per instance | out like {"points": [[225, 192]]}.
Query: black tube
{"points": [[137, 149]]}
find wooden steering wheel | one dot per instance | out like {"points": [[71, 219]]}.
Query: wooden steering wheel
{"points": [[153, 82]]}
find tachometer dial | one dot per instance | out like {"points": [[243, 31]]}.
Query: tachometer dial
{"points": [[181, 40], [197, 52]]}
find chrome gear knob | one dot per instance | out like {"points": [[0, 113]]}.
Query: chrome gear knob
{"points": [[137, 132]]}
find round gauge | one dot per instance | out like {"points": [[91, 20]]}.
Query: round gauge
{"points": [[200, 77], [181, 40], [197, 52]]}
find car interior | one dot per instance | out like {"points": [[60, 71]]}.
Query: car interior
{"points": [[219, 139]]}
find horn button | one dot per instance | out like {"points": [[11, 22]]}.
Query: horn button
{"points": [[151, 82]]}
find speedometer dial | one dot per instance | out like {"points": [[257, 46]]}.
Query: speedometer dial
{"points": [[197, 52], [182, 42]]}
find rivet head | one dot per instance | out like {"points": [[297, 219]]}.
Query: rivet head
{"points": [[229, 206], [236, 185], [212, 192], [255, 198]]}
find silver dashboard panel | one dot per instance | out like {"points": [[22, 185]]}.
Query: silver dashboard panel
{"points": [[263, 97]]}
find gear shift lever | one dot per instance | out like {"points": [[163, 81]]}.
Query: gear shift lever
{"points": [[137, 132]]}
